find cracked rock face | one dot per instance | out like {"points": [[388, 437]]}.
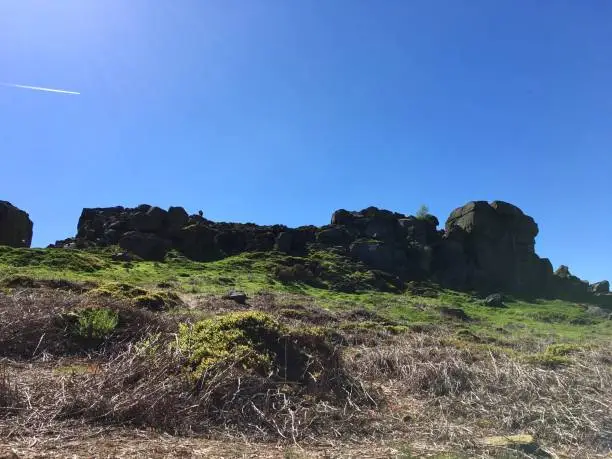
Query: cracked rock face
{"points": [[494, 247], [15, 226]]}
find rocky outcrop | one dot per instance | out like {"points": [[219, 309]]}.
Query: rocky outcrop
{"points": [[491, 247], [382, 239], [566, 285], [385, 240], [149, 232], [485, 246], [15, 226], [600, 287]]}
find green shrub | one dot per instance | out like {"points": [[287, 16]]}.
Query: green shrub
{"points": [[560, 350], [139, 297], [259, 344], [157, 301], [555, 355], [118, 291], [240, 336], [95, 323]]}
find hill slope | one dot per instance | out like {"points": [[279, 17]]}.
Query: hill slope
{"points": [[325, 357]]}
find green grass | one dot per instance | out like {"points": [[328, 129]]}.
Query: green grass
{"points": [[94, 323], [515, 326]]}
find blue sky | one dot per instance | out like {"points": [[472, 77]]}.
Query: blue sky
{"points": [[276, 111]]}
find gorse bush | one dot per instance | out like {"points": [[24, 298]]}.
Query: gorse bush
{"points": [[249, 338], [95, 323], [259, 344]]}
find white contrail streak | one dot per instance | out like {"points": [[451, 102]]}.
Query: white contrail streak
{"points": [[38, 88]]}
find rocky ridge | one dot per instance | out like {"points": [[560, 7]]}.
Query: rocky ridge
{"points": [[484, 246]]}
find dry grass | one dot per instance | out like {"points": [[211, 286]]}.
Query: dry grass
{"points": [[147, 386], [456, 396], [34, 324], [419, 392]]}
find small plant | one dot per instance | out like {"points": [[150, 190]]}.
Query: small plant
{"points": [[95, 323], [561, 349], [157, 301], [423, 212]]}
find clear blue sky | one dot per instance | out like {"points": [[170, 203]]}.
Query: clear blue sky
{"points": [[276, 111]]}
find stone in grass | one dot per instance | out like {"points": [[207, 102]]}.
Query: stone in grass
{"points": [[122, 256], [238, 297], [454, 313], [495, 300], [523, 443]]}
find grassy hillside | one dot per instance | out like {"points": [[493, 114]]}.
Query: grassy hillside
{"points": [[325, 351]]}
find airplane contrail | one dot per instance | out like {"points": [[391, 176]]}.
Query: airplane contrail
{"points": [[39, 88]]}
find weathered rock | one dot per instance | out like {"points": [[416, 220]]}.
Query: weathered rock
{"points": [[454, 313], [151, 221], [563, 272], [378, 254], [231, 242], [238, 297], [382, 228], [15, 226], [343, 217], [122, 256], [495, 300], [567, 286], [600, 287], [450, 266], [145, 245], [197, 242], [283, 242], [177, 218], [419, 231], [498, 240], [603, 299], [334, 235], [489, 247]]}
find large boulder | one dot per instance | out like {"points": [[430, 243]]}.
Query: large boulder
{"points": [[146, 246], [343, 217], [567, 286], [177, 218], [15, 226], [197, 242], [283, 242], [150, 221], [498, 242], [379, 255], [450, 266], [600, 287], [334, 235]]}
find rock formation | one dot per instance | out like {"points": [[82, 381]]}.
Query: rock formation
{"points": [[150, 232], [491, 247], [15, 226], [485, 246]]}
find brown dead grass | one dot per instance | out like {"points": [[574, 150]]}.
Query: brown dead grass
{"points": [[34, 325], [456, 396], [148, 387], [416, 393]]}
